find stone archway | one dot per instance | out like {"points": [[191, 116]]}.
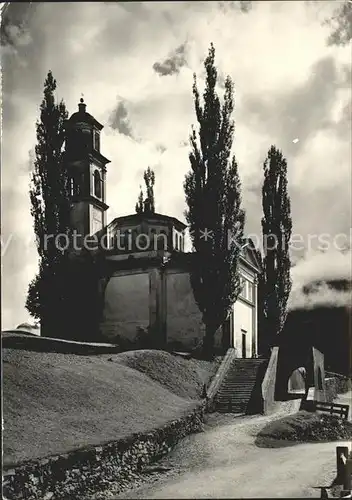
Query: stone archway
{"points": [[296, 383]]}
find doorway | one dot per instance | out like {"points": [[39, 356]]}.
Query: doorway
{"points": [[243, 343]]}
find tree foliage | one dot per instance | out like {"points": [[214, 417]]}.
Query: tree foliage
{"points": [[67, 293], [277, 228], [140, 204], [213, 195], [147, 204], [341, 24], [50, 205]]}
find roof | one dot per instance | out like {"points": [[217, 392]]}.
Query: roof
{"points": [[136, 218], [85, 117], [82, 116], [251, 255]]}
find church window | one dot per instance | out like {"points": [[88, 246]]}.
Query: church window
{"points": [[162, 240], [242, 287], [250, 291], [74, 187], [179, 242], [97, 184], [96, 140], [246, 290], [152, 239]]}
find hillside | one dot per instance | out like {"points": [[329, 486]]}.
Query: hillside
{"points": [[55, 402]]}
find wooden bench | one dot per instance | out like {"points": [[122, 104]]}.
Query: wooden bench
{"points": [[332, 408]]}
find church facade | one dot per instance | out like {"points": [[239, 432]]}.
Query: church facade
{"points": [[149, 287]]}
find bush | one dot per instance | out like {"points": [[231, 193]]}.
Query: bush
{"points": [[308, 427]]}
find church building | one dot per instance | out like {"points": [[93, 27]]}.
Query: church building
{"points": [[148, 288]]}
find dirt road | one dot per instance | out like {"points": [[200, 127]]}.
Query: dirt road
{"points": [[224, 462]]}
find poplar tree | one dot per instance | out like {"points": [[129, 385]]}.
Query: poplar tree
{"points": [[213, 195], [139, 204], [149, 179], [277, 229], [147, 204], [50, 208]]}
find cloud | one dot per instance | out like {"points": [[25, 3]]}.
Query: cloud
{"points": [[161, 148], [119, 120], [244, 6], [323, 267], [303, 111], [173, 63], [322, 295], [330, 265]]}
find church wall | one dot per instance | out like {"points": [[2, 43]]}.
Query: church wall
{"points": [[159, 242], [127, 304], [184, 320], [243, 318], [80, 218]]}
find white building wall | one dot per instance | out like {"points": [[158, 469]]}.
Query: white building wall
{"points": [[243, 319]]}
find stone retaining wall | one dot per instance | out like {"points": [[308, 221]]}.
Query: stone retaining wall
{"points": [[343, 383], [336, 384], [83, 472]]}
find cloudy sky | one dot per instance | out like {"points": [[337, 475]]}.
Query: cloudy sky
{"points": [[134, 64]]}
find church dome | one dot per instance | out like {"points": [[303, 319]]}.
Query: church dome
{"points": [[82, 116]]}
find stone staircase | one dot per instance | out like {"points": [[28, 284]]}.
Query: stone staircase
{"points": [[237, 388]]}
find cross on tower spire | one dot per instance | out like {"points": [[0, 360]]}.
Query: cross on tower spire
{"points": [[82, 106]]}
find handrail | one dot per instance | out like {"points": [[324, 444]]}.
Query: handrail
{"points": [[223, 368]]}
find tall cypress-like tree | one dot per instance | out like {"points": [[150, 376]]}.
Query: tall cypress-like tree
{"points": [[213, 195], [139, 204], [149, 179], [147, 204], [277, 228], [50, 208]]}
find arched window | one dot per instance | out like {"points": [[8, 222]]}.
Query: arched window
{"points": [[162, 240], [97, 184], [96, 140], [179, 238], [152, 239]]}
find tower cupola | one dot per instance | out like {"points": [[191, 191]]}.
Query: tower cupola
{"points": [[87, 168]]}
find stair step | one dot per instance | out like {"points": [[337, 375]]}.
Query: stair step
{"points": [[228, 392], [226, 397], [237, 387]]}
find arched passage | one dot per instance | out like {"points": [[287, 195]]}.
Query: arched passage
{"points": [[297, 381]]}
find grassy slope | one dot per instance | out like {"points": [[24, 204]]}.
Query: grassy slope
{"points": [[58, 402]]}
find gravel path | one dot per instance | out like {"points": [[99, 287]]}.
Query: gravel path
{"points": [[224, 462]]}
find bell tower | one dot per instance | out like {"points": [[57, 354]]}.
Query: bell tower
{"points": [[87, 170]]}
